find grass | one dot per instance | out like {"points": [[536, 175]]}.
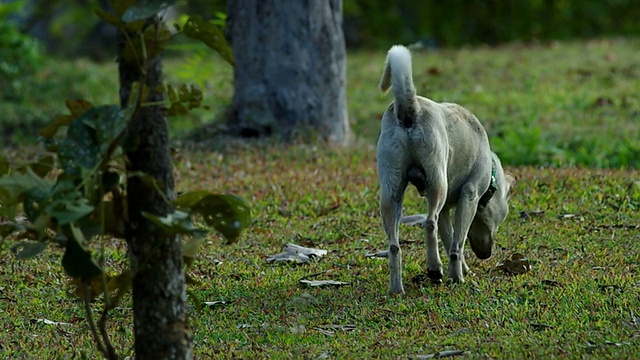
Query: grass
{"points": [[577, 226]]}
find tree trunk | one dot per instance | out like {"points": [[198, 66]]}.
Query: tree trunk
{"points": [[290, 71], [159, 294]]}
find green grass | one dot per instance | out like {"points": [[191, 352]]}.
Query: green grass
{"points": [[577, 226], [560, 104]]}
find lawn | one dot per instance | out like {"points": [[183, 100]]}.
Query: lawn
{"points": [[563, 116]]}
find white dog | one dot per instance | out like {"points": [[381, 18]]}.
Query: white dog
{"points": [[443, 150]]}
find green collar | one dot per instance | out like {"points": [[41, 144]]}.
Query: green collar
{"points": [[493, 186]]}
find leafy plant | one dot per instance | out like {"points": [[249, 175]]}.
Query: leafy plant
{"points": [[77, 196]]}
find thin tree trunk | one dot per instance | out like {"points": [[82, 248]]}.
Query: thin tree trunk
{"points": [[290, 72], [159, 294]]}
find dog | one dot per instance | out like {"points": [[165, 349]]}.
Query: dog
{"points": [[443, 150]]}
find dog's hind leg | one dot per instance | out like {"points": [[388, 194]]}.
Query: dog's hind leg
{"points": [[391, 210], [436, 197], [393, 182], [445, 230], [465, 211]]}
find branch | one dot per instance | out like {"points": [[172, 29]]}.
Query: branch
{"points": [[92, 324]]}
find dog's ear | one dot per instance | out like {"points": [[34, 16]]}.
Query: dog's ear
{"points": [[511, 181]]}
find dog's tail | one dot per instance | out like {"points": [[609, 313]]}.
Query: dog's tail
{"points": [[397, 73]]}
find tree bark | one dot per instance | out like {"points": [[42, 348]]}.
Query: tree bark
{"points": [[159, 294], [290, 72]]}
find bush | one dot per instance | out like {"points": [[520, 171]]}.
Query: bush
{"points": [[20, 57]]}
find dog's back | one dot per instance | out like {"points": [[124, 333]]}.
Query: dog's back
{"points": [[456, 138], [443, 150]]}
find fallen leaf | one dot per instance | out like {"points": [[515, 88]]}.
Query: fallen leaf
{"points": [[345, 327], [330, 329], [316, 283], [516, 265], [49, 322], [441, 354], [297, 254], [298, 329], [535, 213], [379, 254], [217, 303]]}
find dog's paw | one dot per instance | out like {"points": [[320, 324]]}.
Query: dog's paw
{"points": [[435, 276], [465, 268], [456, 280], [395, 291], [456, 275]]}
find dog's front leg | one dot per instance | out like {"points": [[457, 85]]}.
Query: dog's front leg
{"points": [[445, 230], [465, 211]]}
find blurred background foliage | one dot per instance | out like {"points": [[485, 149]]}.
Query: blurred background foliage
{"points": [[367, 23], [51, 50]]}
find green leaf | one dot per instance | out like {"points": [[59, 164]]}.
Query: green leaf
{"points": [[34, 202], [14, 186], [43, 166], [143, 9], [211, 35], [59, 120], [77, 260], [89, 137], [190, 199], [51, 129], [177, 109], [108, 124], [228, 214], [69, 210], [78, 107], [185, 99], [191, 247], [177, 222], [28, 249]]}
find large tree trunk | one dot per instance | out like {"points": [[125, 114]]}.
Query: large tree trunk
{"points": [[290, 71], [159, 294]]}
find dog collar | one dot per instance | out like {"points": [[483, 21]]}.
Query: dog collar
{"points": [[493, 186]]}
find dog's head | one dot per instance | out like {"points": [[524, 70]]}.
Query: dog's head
{"points": [[489, 217]]}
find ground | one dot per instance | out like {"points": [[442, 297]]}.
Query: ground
{"points": [[573, 216]]}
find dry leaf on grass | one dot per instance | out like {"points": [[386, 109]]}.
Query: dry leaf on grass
{"points": [[297, 254], [215, 303], [330, 329], [49, 322], [316, 283], [516, 265], [441, 354], [380, 254]]}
